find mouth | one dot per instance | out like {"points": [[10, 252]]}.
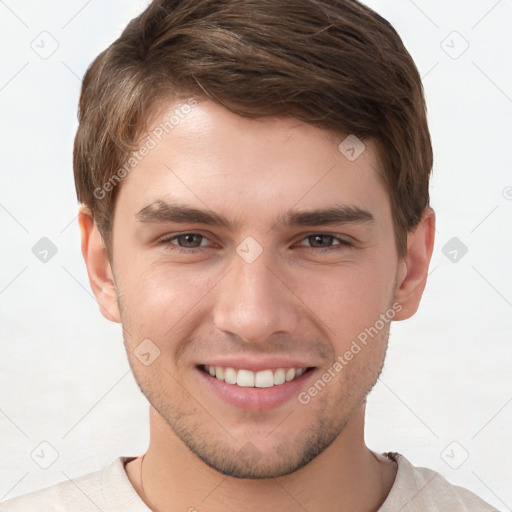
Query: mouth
{"points": [[249, 379], [257, 389]]}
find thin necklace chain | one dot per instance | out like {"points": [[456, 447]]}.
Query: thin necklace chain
{"points": [[142, 487]]}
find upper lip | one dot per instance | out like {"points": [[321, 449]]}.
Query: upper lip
{"points": [[257, 364]]}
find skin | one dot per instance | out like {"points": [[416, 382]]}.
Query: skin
{"points": [[293, 300]]}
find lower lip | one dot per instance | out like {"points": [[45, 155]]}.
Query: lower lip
{"points": [[255, 399]]}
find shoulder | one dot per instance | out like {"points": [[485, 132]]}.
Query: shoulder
{"points": [[419, 489], [104, 490], [77, 494]]}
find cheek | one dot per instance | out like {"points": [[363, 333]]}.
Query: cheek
{"points": [[347, 299], [160, 302]]}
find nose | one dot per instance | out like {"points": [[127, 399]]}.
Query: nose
{"points": [[255, 300]]}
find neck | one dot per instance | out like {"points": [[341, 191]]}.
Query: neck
{"points": [[346, 476]]}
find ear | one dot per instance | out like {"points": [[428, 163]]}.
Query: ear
{"points": [[413, 269], [98, 266]]}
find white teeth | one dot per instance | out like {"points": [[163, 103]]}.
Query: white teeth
{"points": [[219, 373], [245, 379], [230, 375], [290, 374], [264, 379], [279, 377], [249, 379]]}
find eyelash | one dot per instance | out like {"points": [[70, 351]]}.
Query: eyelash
{"points": [[168, 242]]}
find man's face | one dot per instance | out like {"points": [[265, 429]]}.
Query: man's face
{"points": [[258, 295]]}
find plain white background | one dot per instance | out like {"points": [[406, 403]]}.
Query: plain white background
{"points": [[444, 399]]}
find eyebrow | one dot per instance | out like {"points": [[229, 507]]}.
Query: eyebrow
{"points": [[161, 211]]}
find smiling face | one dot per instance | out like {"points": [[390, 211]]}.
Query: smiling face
{"points": [[253, 245]]}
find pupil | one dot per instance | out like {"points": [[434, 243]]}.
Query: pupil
{"points": [[189, 238], [318, 238]]}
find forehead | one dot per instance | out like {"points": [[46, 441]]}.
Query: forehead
{"points": [[215, 159]]}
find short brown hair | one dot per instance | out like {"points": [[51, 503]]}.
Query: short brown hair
{"points": [[332, 63]]}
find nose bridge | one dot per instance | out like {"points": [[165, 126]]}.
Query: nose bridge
{"points": [[253, 303]]}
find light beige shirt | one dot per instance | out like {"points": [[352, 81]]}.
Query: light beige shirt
{"points": [[415, 489]]}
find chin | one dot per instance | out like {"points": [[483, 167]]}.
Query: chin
{"points": [[252, 468], [275, 460]]}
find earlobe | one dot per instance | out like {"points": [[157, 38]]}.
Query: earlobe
{"points": [[98, 266], [414, 269]]}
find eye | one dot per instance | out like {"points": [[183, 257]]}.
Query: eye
{"points": [[323, 241], [186, 242]]}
